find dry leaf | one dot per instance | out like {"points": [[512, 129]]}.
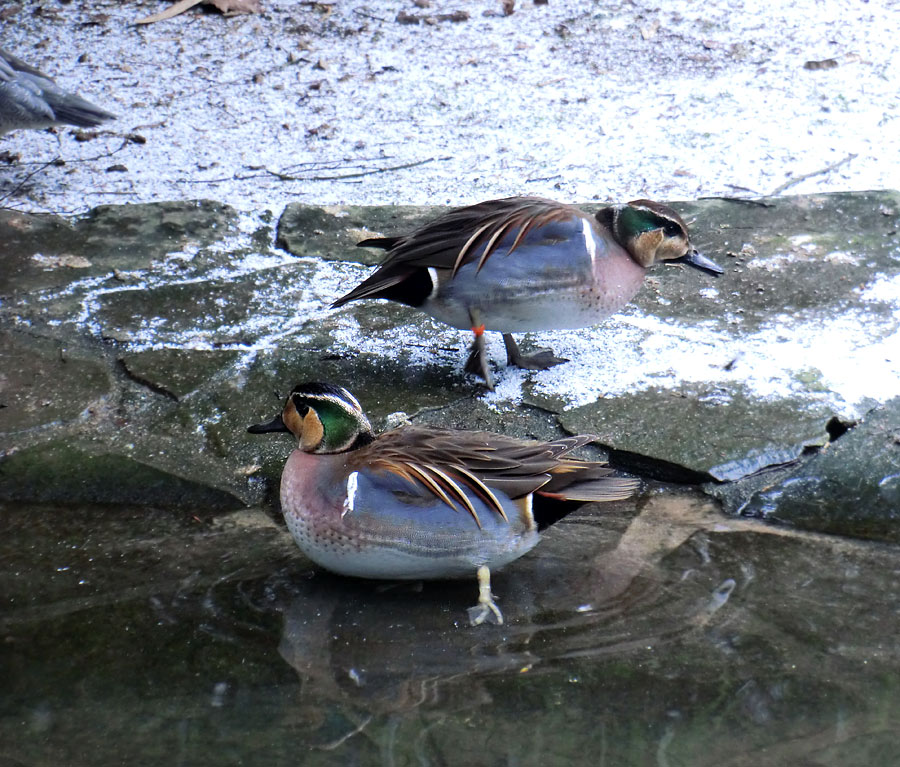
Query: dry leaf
{"points": [[61, 260], [411, 18], [325, 130], [326, 9], [171, 11], [232, 7], [228, 7], [650, 30], [822, 64]]}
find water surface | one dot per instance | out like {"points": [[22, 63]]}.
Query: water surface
{"points": [[660, 634]]}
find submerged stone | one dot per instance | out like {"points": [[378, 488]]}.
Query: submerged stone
{"points": [[723, 638]]}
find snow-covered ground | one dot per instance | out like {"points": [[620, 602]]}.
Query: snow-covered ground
{"points": [[339, 102]]}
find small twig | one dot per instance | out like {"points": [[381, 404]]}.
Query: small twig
{"points": [[56, 161], [286, 177], [380, 170], [279, 176], [324, 164], [744, 200], [27, 178], [358, 174], [369, 16], [59, 160], [828, 169], [221, 180], [741, 189]]}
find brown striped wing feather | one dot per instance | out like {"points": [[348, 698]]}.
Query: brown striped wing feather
{"points": [[448, 463], [459, 237]]}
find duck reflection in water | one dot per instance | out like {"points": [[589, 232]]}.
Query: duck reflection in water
{"points": [[366, 655]]}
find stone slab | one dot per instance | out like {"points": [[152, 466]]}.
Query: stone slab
{"points": [[155, 334]]}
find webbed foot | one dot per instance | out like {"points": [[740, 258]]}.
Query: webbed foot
{"points": [[486, 610], [540, 360]]}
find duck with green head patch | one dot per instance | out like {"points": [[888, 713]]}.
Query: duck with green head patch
{"points": [[423, 503], [526, 264]]}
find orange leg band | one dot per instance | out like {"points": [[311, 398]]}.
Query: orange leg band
{"points": [[478, 331]]}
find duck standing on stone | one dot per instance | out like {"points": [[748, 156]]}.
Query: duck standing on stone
{"points": [[30, 99], [417, 503], [524, 264]]}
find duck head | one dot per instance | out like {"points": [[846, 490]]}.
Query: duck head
{"points": [[652, 232], [324, 419]]}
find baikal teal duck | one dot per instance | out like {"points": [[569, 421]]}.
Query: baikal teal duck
{"points": [[526, 264], [423, 503]]}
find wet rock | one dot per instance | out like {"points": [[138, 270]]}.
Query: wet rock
{"points": [[190, 310], [60, 473], [696, 436], [44, 383], [469, 412], [178, 322], [790, 256], [176, 372], [61, 564], [75, 395], [42, 251], [852, 488], [333, 232]]}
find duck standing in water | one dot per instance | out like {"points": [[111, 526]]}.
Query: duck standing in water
{"points": [[422, 503], [30, 99], [525, 264]]}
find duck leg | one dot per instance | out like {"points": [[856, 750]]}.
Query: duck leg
{"points": [[540, 360], [477, 362], [486, 609]]}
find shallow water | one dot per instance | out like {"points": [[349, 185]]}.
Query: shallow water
{"points": [[664, 634]]}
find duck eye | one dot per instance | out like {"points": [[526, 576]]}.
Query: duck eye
{"points": [[672, 230]]}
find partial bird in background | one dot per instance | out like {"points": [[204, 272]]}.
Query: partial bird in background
{"points": [[30, 99]]}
